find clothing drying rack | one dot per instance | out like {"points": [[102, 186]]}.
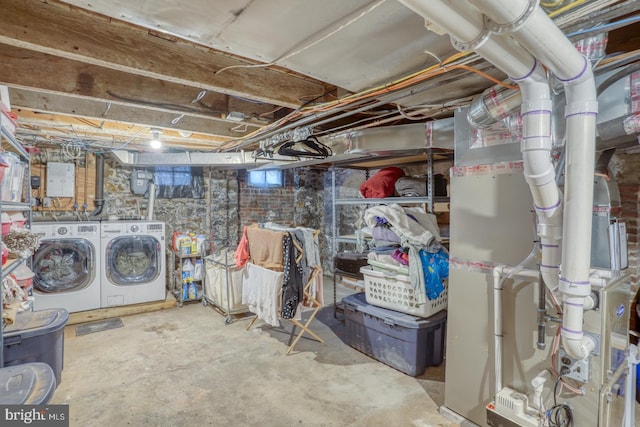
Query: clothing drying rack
{"points": [[304, 327], [312, 303]]}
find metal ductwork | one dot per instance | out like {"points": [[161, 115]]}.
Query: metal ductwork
{"points": [[401, 140]]}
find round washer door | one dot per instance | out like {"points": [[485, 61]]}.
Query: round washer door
{"points": [[132, 260], [63, 265]]}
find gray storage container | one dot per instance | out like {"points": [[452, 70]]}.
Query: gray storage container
{"points": [[407, 343], [28, 384], [37, 336]]}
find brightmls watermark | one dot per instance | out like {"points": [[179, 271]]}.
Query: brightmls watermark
{"points": [[34, 415]]}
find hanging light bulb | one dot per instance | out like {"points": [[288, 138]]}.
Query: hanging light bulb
{"points": [[155, 142]]}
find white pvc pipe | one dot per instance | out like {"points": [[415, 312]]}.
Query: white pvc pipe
{"points": [[497, 327], [151, 202], [465, 23], [540, 36]]}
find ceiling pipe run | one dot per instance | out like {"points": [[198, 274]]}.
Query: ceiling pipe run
{"points": [[410, 139]]}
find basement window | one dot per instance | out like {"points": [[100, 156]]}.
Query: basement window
{"points": [[265, 178], [179, 182]]}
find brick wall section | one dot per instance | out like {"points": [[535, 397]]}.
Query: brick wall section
{"points": [[266, 205]]}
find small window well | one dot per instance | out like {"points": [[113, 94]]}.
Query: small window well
{"points": [[179, 182], [265, 178]]}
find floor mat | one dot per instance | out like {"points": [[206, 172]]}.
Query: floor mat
{"points": [[100, 325]]}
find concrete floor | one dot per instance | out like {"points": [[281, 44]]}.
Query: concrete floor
{"points": [[184, 366]]}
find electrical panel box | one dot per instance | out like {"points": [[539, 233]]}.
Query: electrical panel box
{"points": [[140, 179], [60, 179]]}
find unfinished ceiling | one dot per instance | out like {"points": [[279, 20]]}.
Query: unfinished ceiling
{"points": [[224, 75]]}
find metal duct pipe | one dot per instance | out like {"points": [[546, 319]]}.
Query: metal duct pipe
{"points": [[493, 105], [531, 27], [99, 199]]}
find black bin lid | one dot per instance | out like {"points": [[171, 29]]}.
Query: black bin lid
{"points": [[35, 323], [358, 302], [27, 384]]}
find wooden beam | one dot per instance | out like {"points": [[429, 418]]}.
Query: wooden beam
{"points": [[23, 100], [57, 29], [22, 68], [123, 310]]}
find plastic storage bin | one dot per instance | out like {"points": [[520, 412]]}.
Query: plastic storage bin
{"points": [[7, 222], [23, 275], [27, 384], [395, 291], [37, 336], [407, 343]]}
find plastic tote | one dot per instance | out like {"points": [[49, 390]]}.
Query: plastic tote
{"points": [[404, 342], [27, 384], [37, 336]]}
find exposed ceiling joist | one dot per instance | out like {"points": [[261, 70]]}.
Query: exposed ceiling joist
{"points": [[44, 127], [59, 30], [38, 102]]}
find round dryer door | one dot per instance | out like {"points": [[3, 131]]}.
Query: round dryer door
{"points": [[63, 265], [132, 260]]}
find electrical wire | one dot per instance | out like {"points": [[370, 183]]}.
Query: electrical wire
{"points": [[363, 94], [164, 104], [241, 128], [566, 8], [412, 79], [560, 415], [550, 4], [607, 27], [405, 82]]}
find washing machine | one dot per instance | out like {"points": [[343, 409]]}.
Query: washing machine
{"points": [[133, 262], [66, 266]]}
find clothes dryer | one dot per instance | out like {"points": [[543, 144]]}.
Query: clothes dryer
{"points": [[66, 266], [134, 262]]}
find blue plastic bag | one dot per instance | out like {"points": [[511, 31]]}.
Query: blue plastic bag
{"points": [[435, 267]]}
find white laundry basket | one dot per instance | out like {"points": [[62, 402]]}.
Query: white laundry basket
{"points": [[395, 291]]}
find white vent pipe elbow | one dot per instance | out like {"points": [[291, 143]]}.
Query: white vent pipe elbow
{"points": [[465, 24], [536, 144]]}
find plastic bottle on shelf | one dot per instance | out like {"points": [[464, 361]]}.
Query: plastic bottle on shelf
{"points": [[187, 279], [198, 270], [193, 291]]}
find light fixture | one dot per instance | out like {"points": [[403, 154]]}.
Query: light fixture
{"points": [[155, 142]]}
